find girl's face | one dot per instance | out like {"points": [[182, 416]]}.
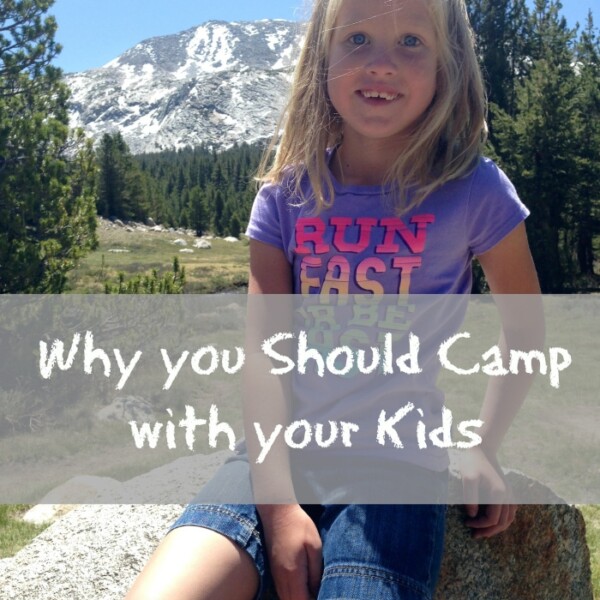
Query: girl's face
{"points": [[382, 67]]}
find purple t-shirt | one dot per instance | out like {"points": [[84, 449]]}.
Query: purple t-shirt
{"points": [[360, 245]]}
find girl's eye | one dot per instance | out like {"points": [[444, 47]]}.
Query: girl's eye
{"points": [[411, 41], [358, 39]]}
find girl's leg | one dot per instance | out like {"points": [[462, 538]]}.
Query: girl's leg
{"points": [[213, 551], [194, 563], [388, 552]]}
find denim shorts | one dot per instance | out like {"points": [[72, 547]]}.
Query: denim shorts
{"points": [[379, 551]]}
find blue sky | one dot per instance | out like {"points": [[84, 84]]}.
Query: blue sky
{"points": [[93, 32]]}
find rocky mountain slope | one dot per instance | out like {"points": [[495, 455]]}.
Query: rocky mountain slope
{"points": [[218, 83]]}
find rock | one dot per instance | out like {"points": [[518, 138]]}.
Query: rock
{"points": [[83, 489], [126, 408], [96, 551], [203, 245], [231, 316], [150, 222], [118, 222], [177, 481], [186, 251], [119, 250], [46, 513], [93, 553], [542, 555], [179, 242], [230, 239]]}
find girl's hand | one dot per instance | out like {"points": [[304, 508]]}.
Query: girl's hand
{"points": [[294, 550], [482, 474]]}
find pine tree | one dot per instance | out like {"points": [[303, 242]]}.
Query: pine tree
{"points": [[199, 221], [538, 147], [235, 227], [219, 223], [110, 180], [502, 30], [45, 201], [120, 183], [586, 210]]}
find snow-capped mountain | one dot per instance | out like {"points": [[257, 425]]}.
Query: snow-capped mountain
{"points": [[218, 83]]}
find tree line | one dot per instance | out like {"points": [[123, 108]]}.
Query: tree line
{"points": [[194, 188], [543, 82]]}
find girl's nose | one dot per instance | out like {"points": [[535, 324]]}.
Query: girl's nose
{"points": [[382, 63]]}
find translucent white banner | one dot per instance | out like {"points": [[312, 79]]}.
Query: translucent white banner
{"points": [[367, 399]]}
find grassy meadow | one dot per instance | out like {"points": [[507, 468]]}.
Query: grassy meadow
{"points": [[223, 267]]}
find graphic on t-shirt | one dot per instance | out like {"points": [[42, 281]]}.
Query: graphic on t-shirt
{"points": [[377, 255]]}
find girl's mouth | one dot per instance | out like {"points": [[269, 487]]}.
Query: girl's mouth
{"points": [[372, 94]]}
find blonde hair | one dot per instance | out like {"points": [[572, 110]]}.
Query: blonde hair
{"points": [[444, 145]]}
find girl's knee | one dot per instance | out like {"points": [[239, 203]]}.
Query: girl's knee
{"points": [[195, 563]]}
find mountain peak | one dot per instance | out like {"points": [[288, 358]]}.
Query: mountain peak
{"points": [[216, 83]]}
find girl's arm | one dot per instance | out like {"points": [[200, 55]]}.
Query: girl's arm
{"points": [[509, 269], [270, 271], [293, 542]]}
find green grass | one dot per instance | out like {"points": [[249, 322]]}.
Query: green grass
{"points": [[14, 533], [222, 268], [591, 514]]}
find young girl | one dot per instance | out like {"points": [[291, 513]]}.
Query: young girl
{"points": [[377, 186]]}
